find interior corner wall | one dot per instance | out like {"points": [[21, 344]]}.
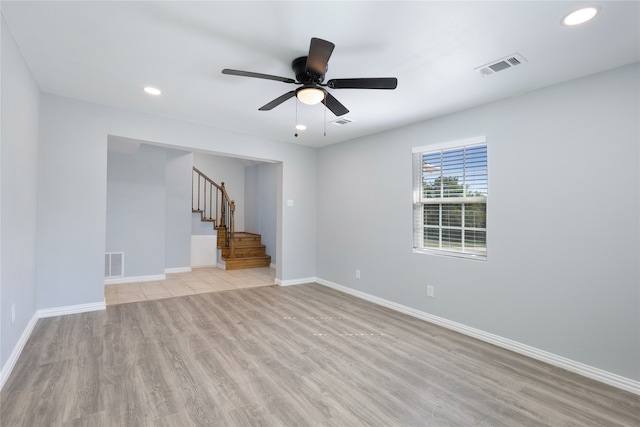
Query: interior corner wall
{"points": [[563, 219], [19, 194], [136, 209], [260, 202], [178, 209], [267, 197], [251, 199]]}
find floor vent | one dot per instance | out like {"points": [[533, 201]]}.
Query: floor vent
{"points": [[501, 64], [113, 264]]}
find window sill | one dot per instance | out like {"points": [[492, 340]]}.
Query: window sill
{"points": [[449, 254]]}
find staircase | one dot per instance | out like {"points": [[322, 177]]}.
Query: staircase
{"points": [[237, 249], [248, 251]]}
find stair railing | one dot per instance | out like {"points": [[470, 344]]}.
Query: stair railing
{"points": [[203, 200]]}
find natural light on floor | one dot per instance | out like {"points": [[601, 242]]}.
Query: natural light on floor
{"points": [[198, 281]]}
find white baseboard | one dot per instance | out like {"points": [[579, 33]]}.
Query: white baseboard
{"points": [[70, 309], [174, 270], [597, 374], [132, 279], [17, 350], [302, 281], [273, 266], [40, 314]]}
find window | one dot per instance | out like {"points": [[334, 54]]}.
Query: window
{"points": [[450, 198]]}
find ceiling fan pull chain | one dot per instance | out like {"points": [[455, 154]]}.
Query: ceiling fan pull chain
{"points": [[296, 124], [325, 114]]}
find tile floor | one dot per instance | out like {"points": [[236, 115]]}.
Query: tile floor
{"points": [[198, 281]]}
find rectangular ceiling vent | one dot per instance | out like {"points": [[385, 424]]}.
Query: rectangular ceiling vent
{"points": [[341, 121], [113, 264], [501, 64]]}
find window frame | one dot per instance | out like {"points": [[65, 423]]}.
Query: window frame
{"points": [[419, 201]]}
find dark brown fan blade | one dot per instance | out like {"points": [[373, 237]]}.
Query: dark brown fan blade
{"points": [[319, 54], [364, 83], [279, 100], [334, 105], [257, 75]]}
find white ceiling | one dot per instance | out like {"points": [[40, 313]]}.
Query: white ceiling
{"points": [[105, 52]]}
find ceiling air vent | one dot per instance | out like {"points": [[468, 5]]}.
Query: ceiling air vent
{"points": [[341, 121], [501, 64]]}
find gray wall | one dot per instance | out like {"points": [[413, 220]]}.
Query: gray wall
{"points": [[563, 221], [201, 228], [260, 197], [136, 209], [178, 209], [251, 199], [148, 207], [19, 190]]}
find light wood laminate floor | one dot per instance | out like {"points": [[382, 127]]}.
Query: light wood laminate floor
{"points": [[302, 355]]}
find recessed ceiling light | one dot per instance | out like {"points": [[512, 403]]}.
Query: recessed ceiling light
{"points": [[580, 16], [301, 127], [152, 90]]}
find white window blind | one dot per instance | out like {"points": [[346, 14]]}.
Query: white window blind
{"points": [[450, 198]]}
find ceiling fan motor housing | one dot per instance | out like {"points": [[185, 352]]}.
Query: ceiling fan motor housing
{"points": [[299, 66]]}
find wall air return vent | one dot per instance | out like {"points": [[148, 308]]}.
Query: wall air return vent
{"points": [[501, 64], [113, 264], [342, 121]]}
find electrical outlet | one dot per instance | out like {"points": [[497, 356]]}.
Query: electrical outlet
{"points": [[13, 312], [430, 291], [357, 274]]}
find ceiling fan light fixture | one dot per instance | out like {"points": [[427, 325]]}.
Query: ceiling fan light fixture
{"points": [[310, 95]]}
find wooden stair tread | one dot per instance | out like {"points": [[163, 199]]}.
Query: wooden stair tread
{"points": [[247, 262], [247, 257], [203, 218], [246, 250], [246, 236]]}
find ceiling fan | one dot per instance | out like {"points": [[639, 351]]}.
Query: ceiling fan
{"points": [[310, 71]]}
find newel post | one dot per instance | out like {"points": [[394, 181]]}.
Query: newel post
{"points": [[223, 222], [232, 208]]}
